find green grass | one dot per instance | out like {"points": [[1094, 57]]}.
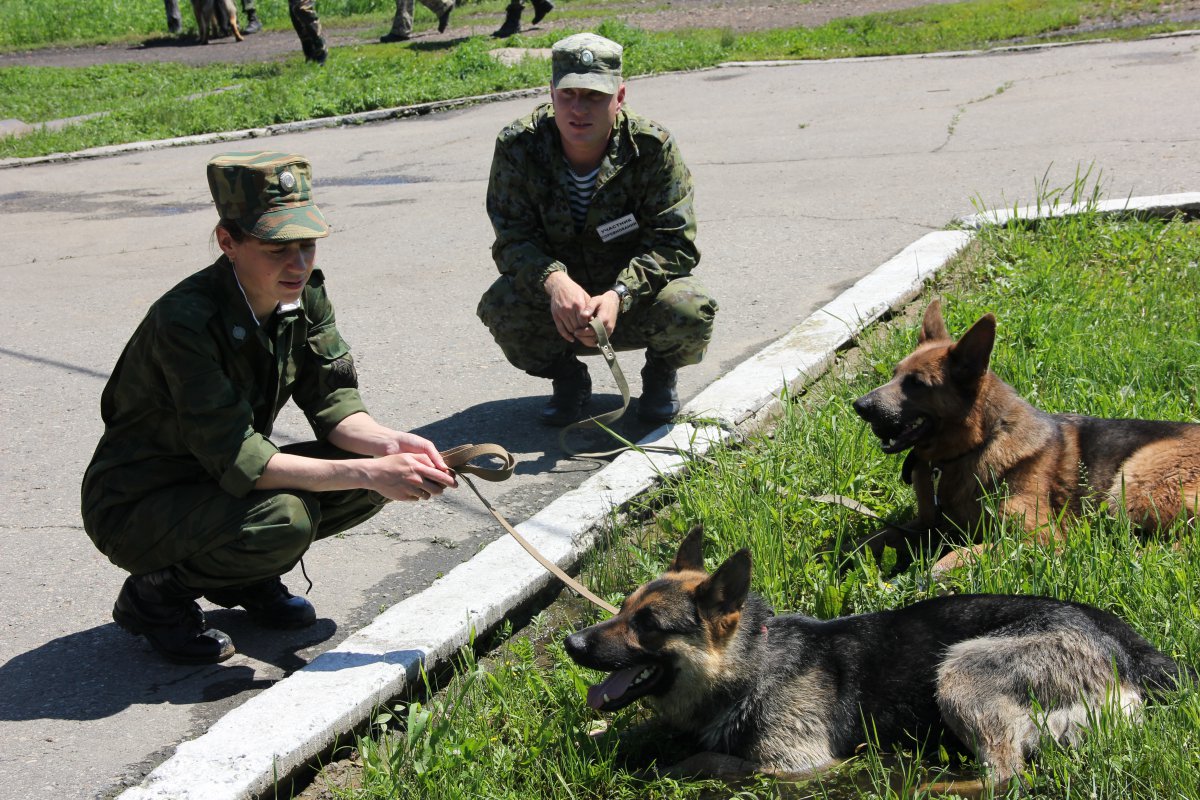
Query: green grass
{"points": [[156, 101], [1095, 315]]}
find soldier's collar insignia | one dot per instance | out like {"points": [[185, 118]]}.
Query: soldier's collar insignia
{"points": [[287, 181]]}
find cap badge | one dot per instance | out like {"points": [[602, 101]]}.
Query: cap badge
{"points": [[587, 58], [287, 181]]}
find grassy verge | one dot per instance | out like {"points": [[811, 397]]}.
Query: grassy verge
{"points": [[156, 101], [1096, 315]]}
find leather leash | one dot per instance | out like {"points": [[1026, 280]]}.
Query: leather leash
{"points": [[608, 417], [458, 458], [603, 421]]}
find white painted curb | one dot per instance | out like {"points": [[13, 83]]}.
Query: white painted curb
{"points": [[282, 728]]}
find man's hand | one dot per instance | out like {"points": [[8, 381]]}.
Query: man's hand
{"points": [[604, 307], [569, 305], [573, 309], [406, 476], [360, 433]]}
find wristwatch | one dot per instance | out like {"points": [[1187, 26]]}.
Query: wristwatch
{"points": [[623, 295]]}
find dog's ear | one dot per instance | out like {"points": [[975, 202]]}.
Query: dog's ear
{"points": [[690, 556], [933, 327], [969, 356], [725, 590]]}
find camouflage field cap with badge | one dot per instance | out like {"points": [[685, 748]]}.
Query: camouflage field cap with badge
{"points": [[268, 195], [587, 61]]}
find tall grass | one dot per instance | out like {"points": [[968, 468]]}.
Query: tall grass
{"points": [[1096, 315]]}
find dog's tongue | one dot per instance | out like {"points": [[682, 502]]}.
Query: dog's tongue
{"points": [[614, 686]]}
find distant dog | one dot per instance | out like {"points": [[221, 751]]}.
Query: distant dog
{"points": [[792, 694], [970, 433], [209, 22]]}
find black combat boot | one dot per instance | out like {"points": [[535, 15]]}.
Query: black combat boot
{"points": [[444, 20], [660, 400], [268, 603], [156, 606], [512, 22], [252, 23], [572, 392], [540, 9], [316, 53]]}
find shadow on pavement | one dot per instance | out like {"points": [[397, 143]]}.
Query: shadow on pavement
{"points": [[513, 425], [101, 671]]}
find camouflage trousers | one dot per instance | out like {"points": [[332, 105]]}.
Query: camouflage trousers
{"points": [[675, 327], [402, 23], [215, 540], [308, 26]]}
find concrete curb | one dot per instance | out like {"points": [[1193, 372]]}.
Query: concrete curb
{"points": [[284, 727], [401, 112]]}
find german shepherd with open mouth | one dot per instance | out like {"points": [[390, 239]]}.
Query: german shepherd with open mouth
{"points": [[969, 433], [792, 694]]}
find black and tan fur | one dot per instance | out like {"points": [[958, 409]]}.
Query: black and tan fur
{"points": [[790, 694], [963, 424], [207, 21]]}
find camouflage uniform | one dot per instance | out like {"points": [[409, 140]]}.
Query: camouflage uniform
{"points": [[187, 414], [308, 28], [642, 175], [190, 405], [402, 22]]}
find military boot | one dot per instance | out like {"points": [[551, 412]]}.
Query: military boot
{"points": [[660, 399], [156, 606], [252, 23], [572, 392], [512, 22], [268, 603], [540, 9]]}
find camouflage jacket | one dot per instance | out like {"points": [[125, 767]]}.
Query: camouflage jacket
{"points": [[642, 175], [196, 392]]}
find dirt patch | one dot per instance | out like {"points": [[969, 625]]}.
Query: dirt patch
{"points": [[739, 16]]}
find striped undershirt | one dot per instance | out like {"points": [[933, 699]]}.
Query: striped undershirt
{"points": [[580, 189]]}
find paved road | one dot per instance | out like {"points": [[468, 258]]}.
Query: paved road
{"points": [[808, 176]]}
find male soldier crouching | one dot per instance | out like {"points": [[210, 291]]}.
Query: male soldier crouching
{"points": [[592, 208]]}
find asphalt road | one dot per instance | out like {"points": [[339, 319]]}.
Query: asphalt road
{"points": [[808, 176]]}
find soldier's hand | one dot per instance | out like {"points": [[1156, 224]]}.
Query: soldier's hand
{"points": [[408, 476], [604, 307], [569, 305]]}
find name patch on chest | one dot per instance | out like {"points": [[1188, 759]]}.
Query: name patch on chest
{"points": [[617, 227]]}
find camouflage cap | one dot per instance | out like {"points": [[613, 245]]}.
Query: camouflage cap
{"points": [[586, 61], [268, 195]]}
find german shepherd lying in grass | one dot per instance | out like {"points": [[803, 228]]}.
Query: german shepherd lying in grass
{"points": [[792, 694], [969, 434]]}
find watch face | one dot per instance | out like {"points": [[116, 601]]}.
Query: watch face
{"points": [[624, 296]]}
